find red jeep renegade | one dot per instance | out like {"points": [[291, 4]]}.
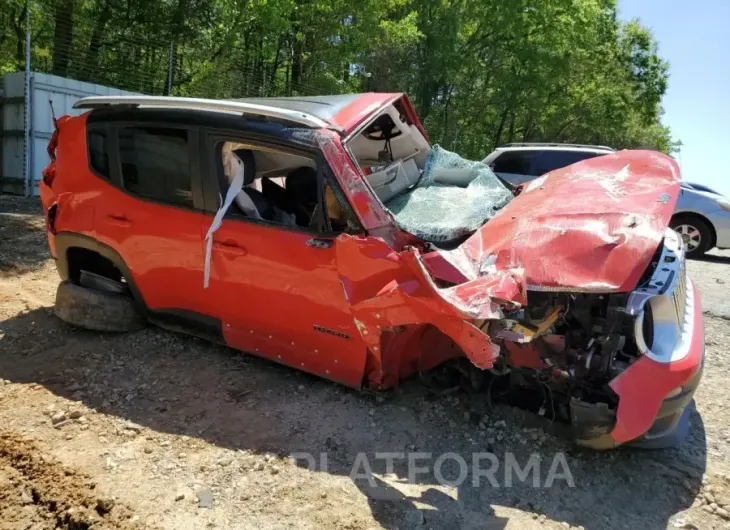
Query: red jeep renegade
{"points": [[327, 234]]}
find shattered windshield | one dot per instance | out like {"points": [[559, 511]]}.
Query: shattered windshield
{"points": [[452, 198]]}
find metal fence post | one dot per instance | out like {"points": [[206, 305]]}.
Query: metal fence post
{"points": [[27, 175]]}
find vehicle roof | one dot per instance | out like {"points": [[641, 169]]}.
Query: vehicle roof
{"points": [[323, 107], [527, 146], [343, 112], [701, 187], [710, 194]]}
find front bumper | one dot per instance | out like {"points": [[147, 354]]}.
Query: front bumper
{"points": [[653, 393]]}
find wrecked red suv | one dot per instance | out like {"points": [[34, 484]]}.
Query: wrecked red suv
{"points": [[327, 234]]}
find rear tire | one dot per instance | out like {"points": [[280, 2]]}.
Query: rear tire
{"points": [[696, 234], [96, 310]]}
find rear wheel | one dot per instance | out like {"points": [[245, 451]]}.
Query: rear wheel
{"points": [[695, 233], [98, 310]]}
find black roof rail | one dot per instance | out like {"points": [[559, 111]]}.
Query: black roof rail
{"points": [[548, 144]]}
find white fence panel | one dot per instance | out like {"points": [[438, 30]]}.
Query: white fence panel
{"points": [[63, 93]]}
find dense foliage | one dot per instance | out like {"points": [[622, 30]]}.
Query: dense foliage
{"points": [[481, 72]]}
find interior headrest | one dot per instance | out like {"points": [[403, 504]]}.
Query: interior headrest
{"points": [[249, 165]]}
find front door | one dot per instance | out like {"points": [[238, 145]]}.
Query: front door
{"points": [[274, 284]]}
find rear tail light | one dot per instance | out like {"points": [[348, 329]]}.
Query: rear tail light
{"points": [[49, 173]]}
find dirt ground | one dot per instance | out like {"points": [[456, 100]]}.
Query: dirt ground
{"points": [[162, 430]]}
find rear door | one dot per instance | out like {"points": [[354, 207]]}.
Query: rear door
{"points": [[522, 165], [151, 209], [550, 159], [514, 166]]}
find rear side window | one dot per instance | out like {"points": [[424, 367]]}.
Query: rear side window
{"points": [[546, 161], [536, 163], [517, 162], [155, 164], [99, 152]]}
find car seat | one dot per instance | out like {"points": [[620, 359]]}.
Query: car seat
{"points": [[301, 189]]}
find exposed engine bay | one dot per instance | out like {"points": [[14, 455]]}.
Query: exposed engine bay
{"points": [[567, 347], [556, 359]]}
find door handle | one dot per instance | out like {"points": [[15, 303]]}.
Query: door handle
{"points": [[119, 220], [230, 247], [319, 242]]}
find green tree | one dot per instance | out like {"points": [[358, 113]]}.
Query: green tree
{"points": [[481, 72]]}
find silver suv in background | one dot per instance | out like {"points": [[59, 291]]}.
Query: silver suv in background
{"points": [[518, 163], [702, 218]]}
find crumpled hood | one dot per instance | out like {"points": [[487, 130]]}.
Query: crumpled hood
{"points": [[590, 227]]}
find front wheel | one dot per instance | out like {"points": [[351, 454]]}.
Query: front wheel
{"points": [[695, 233]]}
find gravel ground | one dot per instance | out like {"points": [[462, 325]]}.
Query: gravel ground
{"points": [[160, 430]]}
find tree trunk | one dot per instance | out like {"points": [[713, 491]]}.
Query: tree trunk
{"points": [[498, 136], [18, 27], [260, 69], [170, 67], [287, 82], [178, 17], [445, 126], [296, 63], [511, 128], [92, 54], [62, 36], [529, 126], [274, 68], [177, 28], [152, 69]]}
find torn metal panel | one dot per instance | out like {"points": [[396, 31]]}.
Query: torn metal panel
{"points": [[352, 117], [589, 227], [387, 290], [482, 298], [524, 356]]}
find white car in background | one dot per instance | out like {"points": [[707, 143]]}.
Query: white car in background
{"points": [[702, 218]]}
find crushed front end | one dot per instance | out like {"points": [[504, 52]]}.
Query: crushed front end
{"points": [[574, 291], [621, 367]]}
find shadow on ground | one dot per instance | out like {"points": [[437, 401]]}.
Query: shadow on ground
{"points": [[182, 385], [22, 237], [714, 258]]}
